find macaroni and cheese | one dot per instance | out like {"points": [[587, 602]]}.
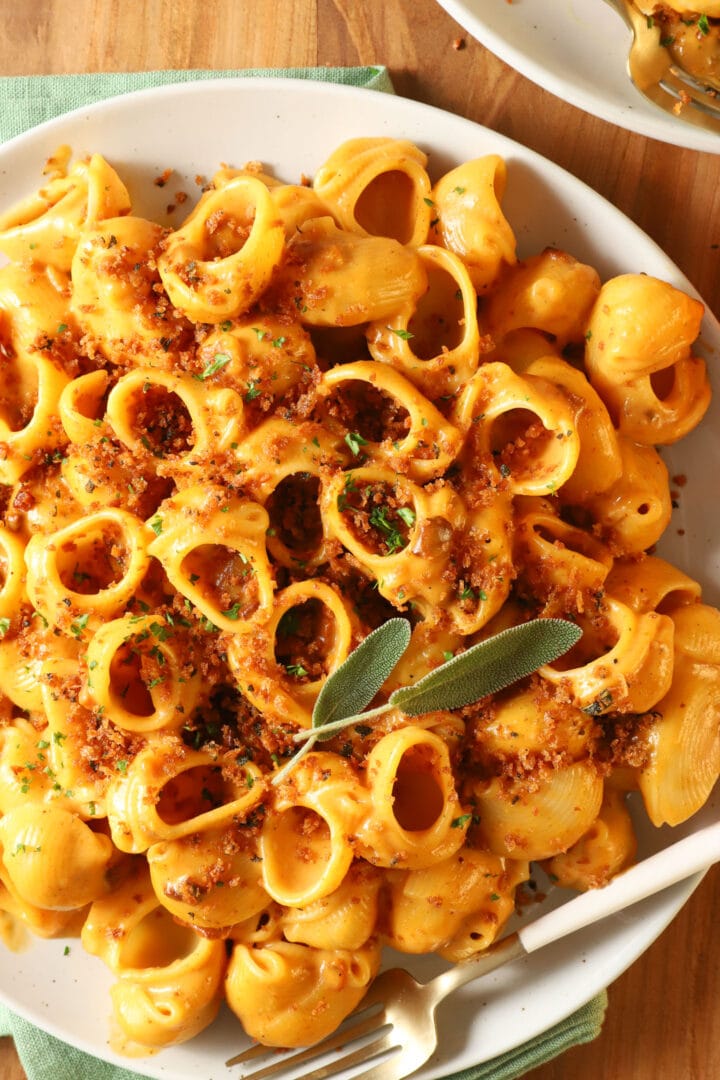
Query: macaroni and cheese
{"points": [[231, 449]]}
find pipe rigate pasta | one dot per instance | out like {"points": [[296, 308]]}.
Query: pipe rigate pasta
{"points": [[469, 219], [296, 994], [652, 584], [665, 323], [46, 226], [190, 878], [141, 674], [212, 546], [29, 424], [399, 533], [115, 299], [434, 339], [282, 667], [169, 979], [85, 574], [427, 444], [306, 843], [223, 257], [415, 816], [63, 864], [625, 661], [170, 417], [551, 292], [549, 818], [345, 919], [168, 793], [608, 847], [599, 463], [468, 895], [378, 187]]}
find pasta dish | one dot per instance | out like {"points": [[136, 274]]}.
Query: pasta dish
{"points": [[231, 450], [691, 34]]}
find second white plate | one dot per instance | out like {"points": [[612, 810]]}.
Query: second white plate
{"points": [[576, 49]]}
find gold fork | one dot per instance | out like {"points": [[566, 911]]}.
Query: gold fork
{"points": [[393, 1030], [663, 82]]}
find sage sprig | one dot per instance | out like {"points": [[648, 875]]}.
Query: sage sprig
{"points": [[488, 666], [483, 669]]}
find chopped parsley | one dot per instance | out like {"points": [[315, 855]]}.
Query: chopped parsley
{"points": [[407, 515], [79, 625], [233, 612], [394, 539], [355, 442], [216, 364]]}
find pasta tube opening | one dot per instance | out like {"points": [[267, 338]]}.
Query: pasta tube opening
{"points": [[378, 187], [304, 639], [295, 534], [222, 258], [418, 795], [224, 578]]}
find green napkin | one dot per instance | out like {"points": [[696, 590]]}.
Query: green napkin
{"points": [[47, 1058], [28, 100]]}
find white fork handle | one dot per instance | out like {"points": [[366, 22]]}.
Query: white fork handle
{"points": [[677, 862]]}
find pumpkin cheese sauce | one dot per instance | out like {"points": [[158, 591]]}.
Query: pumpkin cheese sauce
{"points": [[232, 450]]}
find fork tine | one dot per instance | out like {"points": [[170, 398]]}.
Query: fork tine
{"points": [[256, 1050], [672, 103], [356, 1057], [683, 85], [335, 1039], [366, 1024]]}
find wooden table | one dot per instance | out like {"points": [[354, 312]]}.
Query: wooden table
{"points": [[664, 1014]]}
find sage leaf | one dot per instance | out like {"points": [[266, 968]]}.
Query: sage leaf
{"points": [[353, 685], [488, 666]]}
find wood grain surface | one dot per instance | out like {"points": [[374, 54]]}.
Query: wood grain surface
{"points": [[663, 1022]]}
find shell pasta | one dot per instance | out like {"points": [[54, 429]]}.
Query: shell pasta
{"points": [[232, 449]]}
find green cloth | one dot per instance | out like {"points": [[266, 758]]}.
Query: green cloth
{"points": [[26, 101], [46, 1058]]}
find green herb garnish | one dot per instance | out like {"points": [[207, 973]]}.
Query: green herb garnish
{"points": [[483, 669], [216, 364], [296, 669], [394, 539], [355, 441]]}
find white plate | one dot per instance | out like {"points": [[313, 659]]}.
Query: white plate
{"points": [[292, 127], [576, 49]]}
